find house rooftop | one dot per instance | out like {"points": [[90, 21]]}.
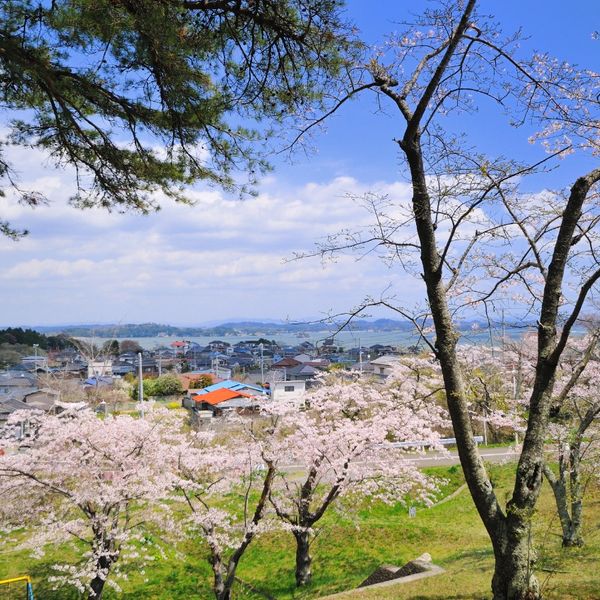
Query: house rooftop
{"points": [[386, 359], [286, 362], [218, 396], [230, 384]]}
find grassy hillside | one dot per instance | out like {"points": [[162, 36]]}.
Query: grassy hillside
{"points": [[345, 553]]}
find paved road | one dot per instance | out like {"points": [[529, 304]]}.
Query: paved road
{"points": [[494, 455], [435, 459]]}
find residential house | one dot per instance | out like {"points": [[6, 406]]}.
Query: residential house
{"points": [[121, 368], [15, 384], [293, 391], [35, 363], [363, 367], [301, 372], [303, 358], [96, 382], [43, 399], [100, 367], [217, 346], [75, 369], [246, 390], [9, 406], [223, 399], [149, 365], [384, 365], [286, 363], [377, 350]]}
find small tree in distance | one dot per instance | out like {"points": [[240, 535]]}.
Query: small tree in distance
{"points": [[199, 382], [575, 434], [130, 346]]}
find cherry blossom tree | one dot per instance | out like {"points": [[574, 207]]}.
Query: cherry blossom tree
{"points": [[575, 433], [225, 484], [491, 389], [96, 482], [345, 443], [469, 233]]}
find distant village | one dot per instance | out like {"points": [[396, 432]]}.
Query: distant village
{"points": [[207, 380]]}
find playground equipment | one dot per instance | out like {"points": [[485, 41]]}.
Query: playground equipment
{"points": [[26, 580]]}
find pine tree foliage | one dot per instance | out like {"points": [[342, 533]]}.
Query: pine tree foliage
{"points": [[141, 96]]}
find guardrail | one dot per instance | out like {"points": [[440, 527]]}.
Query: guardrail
{"points": [[442, 441]]}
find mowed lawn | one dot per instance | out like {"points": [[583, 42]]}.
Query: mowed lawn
{"points": [[346, 551]]}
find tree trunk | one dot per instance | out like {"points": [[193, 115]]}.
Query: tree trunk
{"points": [[560, 498], [509, 532], [573, 537], [97, 584], [303, 558], [97, 587], [570, 521], [222, 591], [223, 594], [513, 571], [105, 561]]}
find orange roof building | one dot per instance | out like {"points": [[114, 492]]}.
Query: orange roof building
{"points": [[219, 396]]}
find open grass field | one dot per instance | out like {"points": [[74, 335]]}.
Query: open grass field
{"points": [[345, 553]]}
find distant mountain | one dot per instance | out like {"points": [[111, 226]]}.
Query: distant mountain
{"points": [[247, 327], [135, 330]]}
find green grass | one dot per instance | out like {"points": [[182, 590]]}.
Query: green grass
{"points": [[345, 553]]}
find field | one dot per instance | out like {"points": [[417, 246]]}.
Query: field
{"points": [[346, 552]]}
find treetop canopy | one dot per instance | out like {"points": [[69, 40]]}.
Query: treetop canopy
{"points": [[142, 96]]}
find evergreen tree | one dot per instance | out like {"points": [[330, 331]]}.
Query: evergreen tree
{"points": [[144, 96]]}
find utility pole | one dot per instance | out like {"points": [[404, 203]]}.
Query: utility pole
{"points": [[159, 363], [360, 357], [262, 365], [140, 384]]}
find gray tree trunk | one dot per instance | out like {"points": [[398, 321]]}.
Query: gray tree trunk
{"points": [[573, 536], [510, 530], [303, 558], [224, 571], [567, 497], [222, 593], [514, 577]]}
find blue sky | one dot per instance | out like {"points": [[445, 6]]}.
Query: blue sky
{"points": [[225, 258]]}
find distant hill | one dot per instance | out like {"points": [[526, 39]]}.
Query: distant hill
{"points": [[139, 330], [135, 330]]}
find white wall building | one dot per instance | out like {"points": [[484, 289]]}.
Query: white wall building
{"points": [[384, 365], [100, 368], [288, 390]]}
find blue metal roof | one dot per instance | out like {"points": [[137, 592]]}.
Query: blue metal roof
{"points": [[230, 384]]}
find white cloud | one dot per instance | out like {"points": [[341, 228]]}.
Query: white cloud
{"points": [[219, 258]]}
